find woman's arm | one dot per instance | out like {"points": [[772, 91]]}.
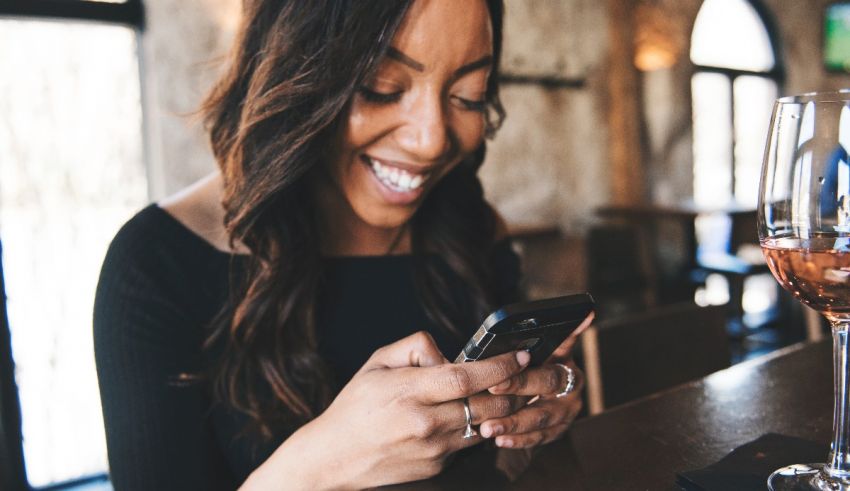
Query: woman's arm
{"points": [[147, 352]]}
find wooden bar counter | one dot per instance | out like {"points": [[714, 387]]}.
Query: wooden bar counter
{"points": [[644, 444]]}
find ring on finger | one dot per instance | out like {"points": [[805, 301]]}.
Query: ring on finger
{"points": [[469, 432], [571, 381]]}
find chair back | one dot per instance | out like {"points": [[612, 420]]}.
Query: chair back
{"points": [[637, 355], [743, 230], [618, 269]]}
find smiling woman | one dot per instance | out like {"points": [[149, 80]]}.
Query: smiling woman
{"points": [[305, 297]]}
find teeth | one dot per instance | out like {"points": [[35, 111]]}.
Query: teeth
{"points": [[395, 178]]}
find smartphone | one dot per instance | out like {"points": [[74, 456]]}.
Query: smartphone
{"points": [[538, 327]]}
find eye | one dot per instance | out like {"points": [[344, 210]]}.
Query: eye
{"points": [[469, 104], [379, 97]]}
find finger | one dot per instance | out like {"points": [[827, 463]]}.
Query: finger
{"points": [[481, 407], [458, 380], [547, 379], [534, 417], [532, 439], [416, 350], [563, 351]]}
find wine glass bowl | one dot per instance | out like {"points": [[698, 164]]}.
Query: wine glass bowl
{"points": [[804, 231]]}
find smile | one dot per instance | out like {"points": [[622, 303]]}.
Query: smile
{"points": [[396, 178]]}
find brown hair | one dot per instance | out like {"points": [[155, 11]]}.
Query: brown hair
{"points": [[294, 68]]}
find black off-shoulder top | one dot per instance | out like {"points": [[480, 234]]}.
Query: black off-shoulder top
{"points": [[160, 287]]}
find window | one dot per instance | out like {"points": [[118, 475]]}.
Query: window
{"points": [[736, 79], [71, 172], [734, 86]]}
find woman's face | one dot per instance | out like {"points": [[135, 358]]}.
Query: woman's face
{"points": [[419, 116]]}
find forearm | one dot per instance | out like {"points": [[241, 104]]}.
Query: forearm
{"points": [[299, 463]]}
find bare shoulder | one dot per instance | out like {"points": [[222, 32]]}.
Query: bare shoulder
{"points": [[198, 208]]}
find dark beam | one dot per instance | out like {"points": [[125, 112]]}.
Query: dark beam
{"points": [[774, 74], [543, 81], [12, 473], [130, 13]]}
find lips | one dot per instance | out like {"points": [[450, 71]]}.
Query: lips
{"points": [[395, 177]]}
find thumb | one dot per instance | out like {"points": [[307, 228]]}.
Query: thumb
{"points": [[416, 350]]}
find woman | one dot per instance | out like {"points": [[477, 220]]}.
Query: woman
{"points": [[346, 215]]}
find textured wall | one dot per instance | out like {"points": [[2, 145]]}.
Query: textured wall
{"points": [[182, 46], [666, 101], [547, 166], [800, 30]]}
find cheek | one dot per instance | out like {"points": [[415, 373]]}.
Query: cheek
{"points": [[469, 130], [356, 127], [365, 125]]}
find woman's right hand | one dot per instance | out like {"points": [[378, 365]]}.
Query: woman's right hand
{"points": [[397, 420]]}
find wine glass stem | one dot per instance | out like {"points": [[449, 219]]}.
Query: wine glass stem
{"points": [[838, 465]]}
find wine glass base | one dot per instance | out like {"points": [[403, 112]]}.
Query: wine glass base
{"points": [[806, 477]]}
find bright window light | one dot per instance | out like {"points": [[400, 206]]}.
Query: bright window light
{"points": [[71, 172], [730, 34]]}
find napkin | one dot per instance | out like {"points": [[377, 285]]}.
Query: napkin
{"points": [[747, 467]]}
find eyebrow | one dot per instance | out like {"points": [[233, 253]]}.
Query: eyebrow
{"points": [[419, 67]]}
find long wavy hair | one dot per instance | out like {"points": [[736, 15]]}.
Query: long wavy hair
{"points": [[294, 68]]}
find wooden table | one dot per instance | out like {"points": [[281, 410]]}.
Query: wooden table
{"points": [[644, 444]]}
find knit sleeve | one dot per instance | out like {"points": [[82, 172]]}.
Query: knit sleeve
{"points": [[148, 356]]}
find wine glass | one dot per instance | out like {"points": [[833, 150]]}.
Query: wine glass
{"points": [[804, 230]]}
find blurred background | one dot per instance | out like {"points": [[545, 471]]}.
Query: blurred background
{"points": [[628, 166]]}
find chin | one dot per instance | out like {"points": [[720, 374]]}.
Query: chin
{"points": [[386, 219]]}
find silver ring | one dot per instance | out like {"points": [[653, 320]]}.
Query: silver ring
{"points": [[571, 381], [469, 432]]}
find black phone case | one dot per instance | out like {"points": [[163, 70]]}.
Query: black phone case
{"points": [[538, 327]]}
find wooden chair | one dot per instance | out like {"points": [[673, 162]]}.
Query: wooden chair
{"points": [[618, 270], [637, 355]]}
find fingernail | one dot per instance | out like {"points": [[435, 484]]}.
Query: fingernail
{"points": [[504, 442], [486, 431], [502, 386], [523, 357], [498, 430]]}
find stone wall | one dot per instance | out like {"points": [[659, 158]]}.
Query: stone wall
{"points": [[182, 48], [547, 165], [799, 25]]}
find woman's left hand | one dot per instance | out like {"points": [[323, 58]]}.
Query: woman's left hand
{"points": [[546, 417]]}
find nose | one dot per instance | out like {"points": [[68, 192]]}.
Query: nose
{"points": [[425, 134]]}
